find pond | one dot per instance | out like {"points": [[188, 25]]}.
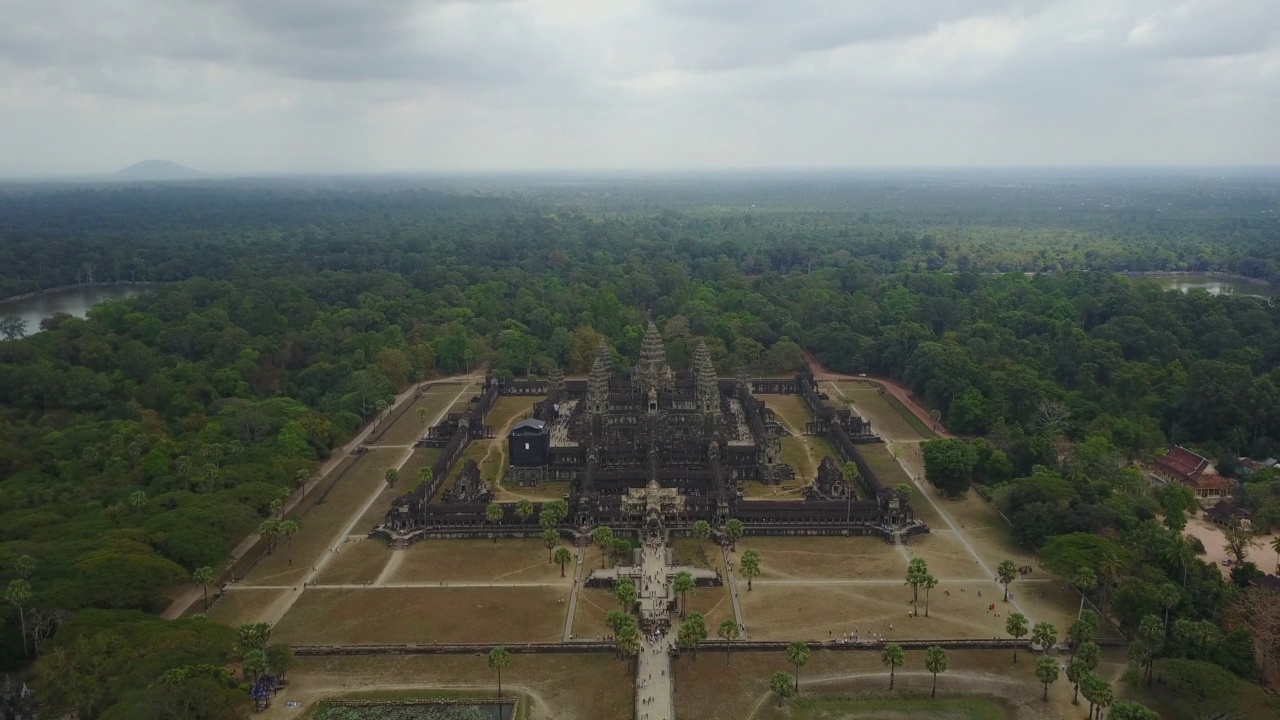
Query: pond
{"points": [[1212, 284], [74, 301]]}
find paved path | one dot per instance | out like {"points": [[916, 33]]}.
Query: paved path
{"points": [[193, 593], [655, 691], [573, 596], [733, 593], [884, 581]]}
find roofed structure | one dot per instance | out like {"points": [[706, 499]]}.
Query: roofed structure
{"points": [[1181, 464]]}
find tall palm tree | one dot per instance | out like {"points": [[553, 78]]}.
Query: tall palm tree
{"points": [[524, 510], [425, 476], [287, 529], [275, 507], [493, 513], [17, 594], [138, 499], [930, 582], [550, 538], [391, 476], [780, 684], [702, 530], [684, 585], [629, 642], [1047, 672], [798, 655], [626, 594], [893, 657], [734, 529], [1007, 571], [562, 558], [1045, 635], [749, 568], [1170, 596], [728, 631], [499, 660], [1179, 553], [270, 530], [603, 538], [25, 566], [1016, 626], [204, 577], [935, 661]]}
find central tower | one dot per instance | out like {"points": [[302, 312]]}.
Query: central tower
{"points": [[652, 375]]}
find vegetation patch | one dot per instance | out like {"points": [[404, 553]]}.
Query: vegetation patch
{"points": [[818, 707]]}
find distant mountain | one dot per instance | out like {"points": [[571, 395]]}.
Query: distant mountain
{"points": [[156, 171]]}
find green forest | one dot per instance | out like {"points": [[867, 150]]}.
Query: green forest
{"points": [[138, 445]]}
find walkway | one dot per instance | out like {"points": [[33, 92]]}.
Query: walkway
{"points": [[194, 593], [733, 593], [655, 691], [573, 596]]}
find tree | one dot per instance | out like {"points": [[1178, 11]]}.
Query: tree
{"points": [[935, 661], [287, 529], [1047, 672], [1090, 654], [391, 476], [1007, 571], [25, 566], [255, 665], [269, 529], [626, 594], [499, 660], [1170, 597], [893, 657], [948, 464], [550, 538], [780, 684], [734, 529], [702, 530], [1045, 635], [547, 518], [603, 538], [692, 632], [204, 577], [275, 507], [425, 476], [1097, 691], [493, 513], [1125, 710], [930, 582], [1077, 671], [1255, 609], [798, 655], [917, 570], [1239, 541], [12, 327], [749, 568], [684, 585], [1083, 629], [253, 636], [628, 641], [1179, 553], [524, 510], [1016, 626], [1150, 635], [138, 500], [562, 558], [17, 594], [728, 631]]}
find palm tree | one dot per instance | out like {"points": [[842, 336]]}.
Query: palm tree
{"points": [[603, 538], [25, 566], [734, 529], [17, 594], [893, 657], [935, 661], [269, 530], [1016, 626], [493, 514], [780, 684], [629, 641], [684, 585], [1045, 635], [692, 632], [916, 572], [930, 582], [499, 660], [524, 510], [626, 594], [1092, 687], [1077, 671], [391, 476], [798, 655], [702, 530], [287, 529], [728, 631], [1083, 629], [562, 558], [749, 568], [138, 499], [550, 538], [1047, 672], [184, 466], [275, 507], [1179, 553], [1007, 571], [204, 577], [300, 478], [1170, 596]]}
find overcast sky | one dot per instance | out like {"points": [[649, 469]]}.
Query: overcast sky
{"points": [[373, 85]]}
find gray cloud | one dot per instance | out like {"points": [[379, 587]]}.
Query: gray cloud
{"points": [[403, 84]]}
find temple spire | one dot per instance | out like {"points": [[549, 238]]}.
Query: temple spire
{"points": [[598, 380], [707, 384], [652, 371]]}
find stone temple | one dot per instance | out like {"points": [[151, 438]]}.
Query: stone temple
{"points": [[655, 447]]}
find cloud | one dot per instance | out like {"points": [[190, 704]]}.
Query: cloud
{"points": [[402, 84]]}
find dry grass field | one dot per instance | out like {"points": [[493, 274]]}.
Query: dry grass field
{"points": [[509, 560], [317, 529], [565, 686], [425, 615], [358, 561], [408, 428], [888, 416], [879, 457], [245, 606], [705, 689], [824, 558], [589, 614]]}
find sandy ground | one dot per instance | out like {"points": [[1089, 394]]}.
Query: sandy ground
{"points": [[1215, 547]]}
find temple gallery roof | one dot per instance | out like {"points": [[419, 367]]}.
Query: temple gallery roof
{"points": [[530, 426]]}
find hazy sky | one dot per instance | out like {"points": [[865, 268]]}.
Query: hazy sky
{"points": [[369, 85]]}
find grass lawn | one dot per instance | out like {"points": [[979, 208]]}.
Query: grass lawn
{"points": [[509, 559], [481, 696], [408, 428], [317, 529], [570, 685], [825, 558], [886, 468], [887, 414], [359, 561], [244, 606], [790, 410], [425, 615], [813, 707]]}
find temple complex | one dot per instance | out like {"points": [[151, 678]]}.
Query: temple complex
{"points": [[654, 447]]}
